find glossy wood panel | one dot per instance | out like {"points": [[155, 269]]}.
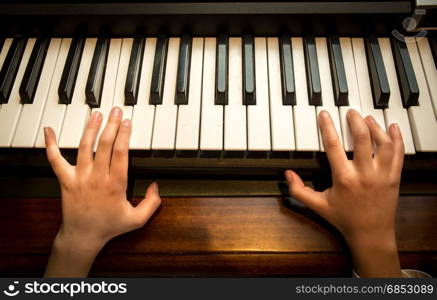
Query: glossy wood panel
{"points": [[214, 237]]}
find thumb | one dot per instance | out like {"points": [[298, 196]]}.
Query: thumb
{"points": [[147, 207], [59, 165], [304, 194]]}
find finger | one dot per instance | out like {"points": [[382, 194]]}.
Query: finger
{"points": [[304, 194], [85, 153], [120, 153], [383, 142], [331, 142], [145, 209], [398, 147], [106, 141], [363, 148], [59, 165]]}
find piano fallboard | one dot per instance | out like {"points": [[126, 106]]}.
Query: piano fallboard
{"points": [[119, 19]]}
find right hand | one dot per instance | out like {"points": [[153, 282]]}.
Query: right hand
{"points": [[362, 201]]}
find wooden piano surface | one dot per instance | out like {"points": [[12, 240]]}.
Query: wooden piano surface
{"points": [[256, 236]]}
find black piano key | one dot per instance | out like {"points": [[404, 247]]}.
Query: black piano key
{"points": [[338, 73], [221, 78], [433, 45], [2, 41], [249, 97], [134, 72], [312, 71], [378, 76], [407, 78], [287, 74], [94, 85], [183, 70], [157, 85], [71, 68], [32, 74], [10, 68]]}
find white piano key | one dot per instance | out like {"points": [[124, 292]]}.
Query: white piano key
{"points": [[258, 116], [164, 127], [10, 112], [188, 125], [364, 87], [109, 83], [430, 69], [422, 119], [328, 102], [305, 122], [4, 50], [395, 113], [144, 112], [123, 66], [31, 114], [235, 135], [353, 93], [78, 110], [211, 131], [54, 112], [281, 116]]}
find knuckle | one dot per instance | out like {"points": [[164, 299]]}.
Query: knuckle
{"points": [[120, 151], [389, 143], [366, 182], [85, 144], [105, 141], [93, 125], [386, 140], [361, 135], [345, 180], [400, 147], [156, 201], [94, 183], [113, 188], [331, 142], [51, 158], [395, 181], [68, 184], [138, 222]]}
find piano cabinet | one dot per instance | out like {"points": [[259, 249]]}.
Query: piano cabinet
{"points": [[213, 236]]}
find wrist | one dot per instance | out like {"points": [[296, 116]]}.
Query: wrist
{"points": [[72, 256], [77, 244], [381, 241], [375, 256]]}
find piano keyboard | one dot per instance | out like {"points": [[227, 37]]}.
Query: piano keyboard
{"points": [[214, 95]]}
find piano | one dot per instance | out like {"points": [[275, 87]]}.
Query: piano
{"points": [[223, 96]]}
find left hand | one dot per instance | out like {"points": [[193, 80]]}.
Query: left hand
{"points": [[94, 204]]}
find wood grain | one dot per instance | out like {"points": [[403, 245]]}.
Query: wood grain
{"points": [[214, 237]]}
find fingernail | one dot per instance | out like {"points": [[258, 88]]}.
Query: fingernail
{"points": [[95, 116], [395, 127], [126, 123], [370, 119], [46, 131], [324, 114], [155, 187], [288, 175], [350, 111], [116, 111]]}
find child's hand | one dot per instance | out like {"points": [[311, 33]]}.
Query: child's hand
{"points": [[94, 204], [363, 199]]}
